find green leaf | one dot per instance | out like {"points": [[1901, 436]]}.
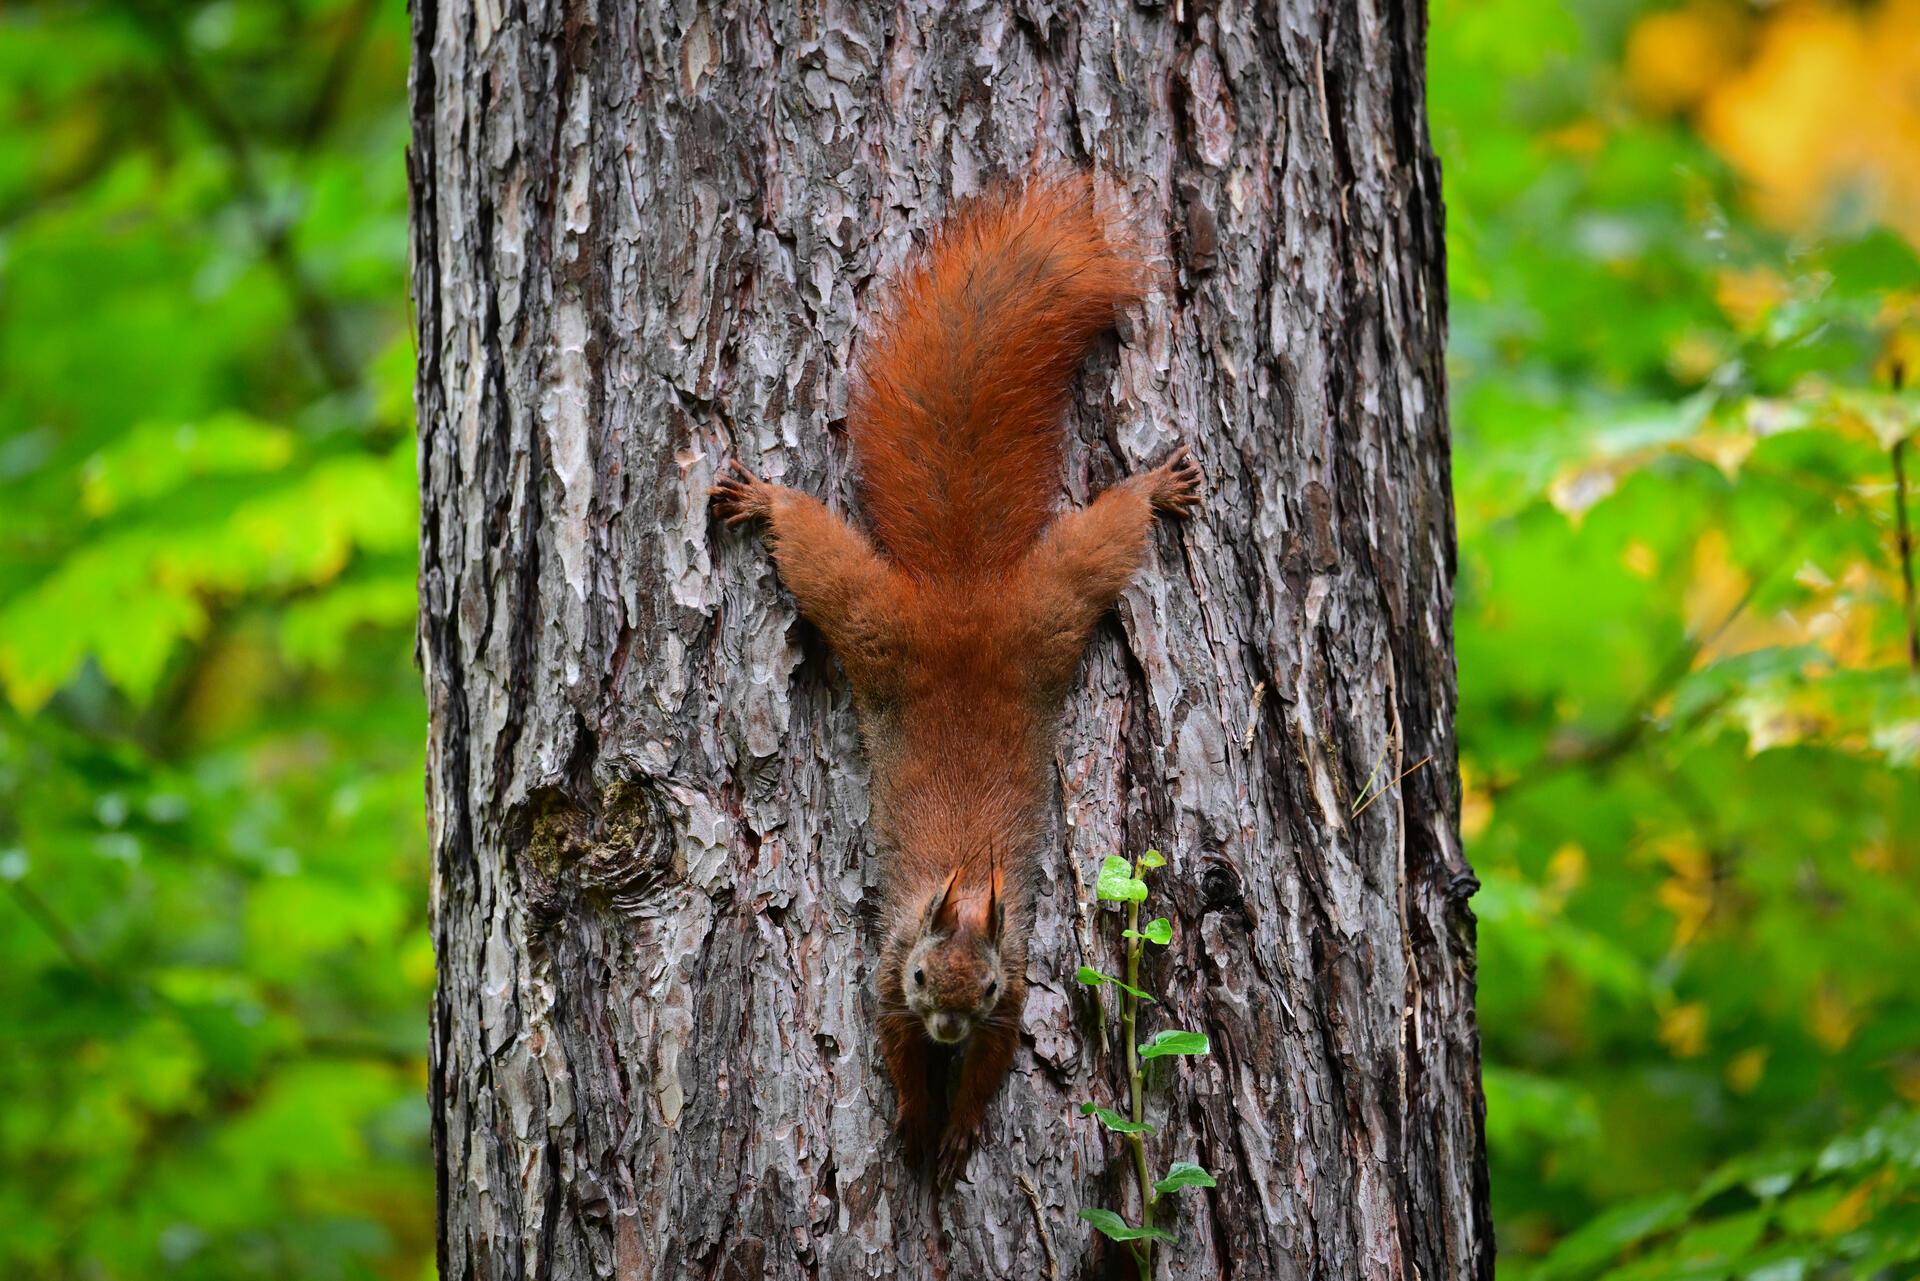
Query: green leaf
{"points": [[1094, 978], [1152, 859], [1613, 1231], [153, 458], [1170, 1042], [1183, 1174], [315, 631], [1117, 883], [1159, 930], [1114, 1121], [1116, 1228]]}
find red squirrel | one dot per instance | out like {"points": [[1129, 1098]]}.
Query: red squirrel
{"points": [[961, 618]]}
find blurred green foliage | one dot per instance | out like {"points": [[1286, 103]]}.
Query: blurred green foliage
{"points": [[1689, 728], [1689, 731], [213, 947]]}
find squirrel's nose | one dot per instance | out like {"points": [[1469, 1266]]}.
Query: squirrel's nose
{"points": [[947, 1028]]}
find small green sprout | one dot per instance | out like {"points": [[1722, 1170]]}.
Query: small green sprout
{"points": [[1124, 882]]}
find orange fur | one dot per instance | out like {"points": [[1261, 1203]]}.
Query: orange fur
{"points": [[961, 630], [956, 415]]}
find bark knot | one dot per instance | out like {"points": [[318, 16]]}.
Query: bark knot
{"points": [[614, 850]]}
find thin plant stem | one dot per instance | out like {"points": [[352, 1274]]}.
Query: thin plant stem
{"points": [[1378, 761], [1905, 544], [1129, 1010], [1362, 808], [1040, 1226]]}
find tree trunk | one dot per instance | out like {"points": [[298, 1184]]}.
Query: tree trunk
{"points": [[646, 237]]}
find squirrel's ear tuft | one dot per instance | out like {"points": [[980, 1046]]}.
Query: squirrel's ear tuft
{"points": [[943, 912], [996, 907]]}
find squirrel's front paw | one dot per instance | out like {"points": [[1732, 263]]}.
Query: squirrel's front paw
{"points": [[1174, 486], [739, 495]]}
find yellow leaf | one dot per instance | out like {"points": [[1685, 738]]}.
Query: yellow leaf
{"points": [[1567, 869], [1683, 1029], [1746, 1068], [1716, 590], [1689, 905], [1854, 1208], [1899, 363], [1676, 57], [1688, 894], [1718, 619], [1640, 559], [1906, 1077], [1693, 358], [1686, 860], [1726, 450], [1582, 137], [1476, 805], [1846, 630], [1826, 109], [1833, 1017], [1876, 858], [1747, 297]]}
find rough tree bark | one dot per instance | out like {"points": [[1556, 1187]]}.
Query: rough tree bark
{"points": [[646, 236]]}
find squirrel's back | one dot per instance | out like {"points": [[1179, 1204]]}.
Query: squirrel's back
{"points": [[955, 417]]}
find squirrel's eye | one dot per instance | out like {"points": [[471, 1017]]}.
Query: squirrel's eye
{"points": [[992, 988], [919, 977]]}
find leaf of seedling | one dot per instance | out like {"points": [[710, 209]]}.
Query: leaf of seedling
{"points": [[1152, 859], [1117, 883], [1113, 1226], [1183, 1174], [1114, 1121], [1094, 978], [1165, 1043], [1159, 930]]}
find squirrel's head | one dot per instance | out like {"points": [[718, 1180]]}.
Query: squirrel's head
{"points": [[951, 978]]}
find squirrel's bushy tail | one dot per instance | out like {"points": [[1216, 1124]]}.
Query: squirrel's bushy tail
{"points": [[956, 414]]}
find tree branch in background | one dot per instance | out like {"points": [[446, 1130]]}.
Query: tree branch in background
{"points": [[64, 938], [319, 327], [57, 930], [1905, 539], [333, 81], [1633, 727], [1904, 532]]}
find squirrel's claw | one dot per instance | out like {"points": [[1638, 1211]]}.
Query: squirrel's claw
{"points": [[956, 1145], [739, 495], [1175, 484]]}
